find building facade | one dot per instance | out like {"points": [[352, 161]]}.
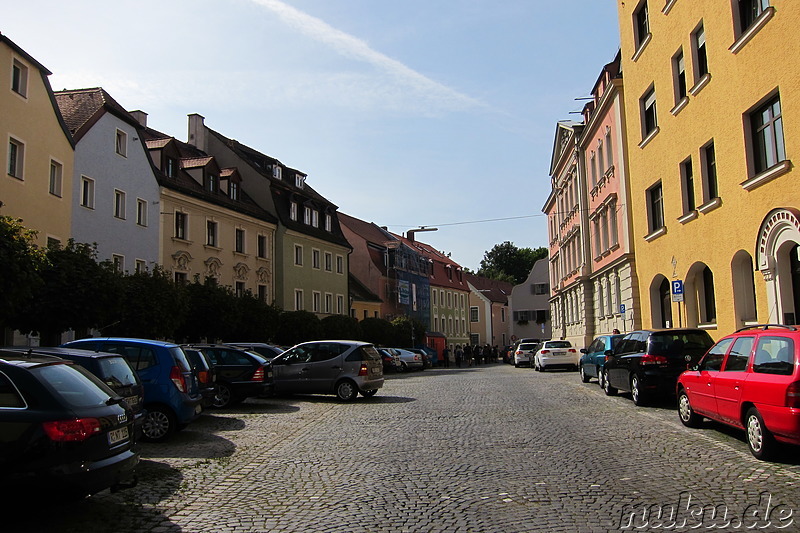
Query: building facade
{"points": [[602, 149], [489, 311], [311, 252], [39, 151], [712, 130], [114, 186], [530, 304]]}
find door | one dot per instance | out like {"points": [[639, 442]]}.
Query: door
{"points": [[700, 384], [290, 371], [325, 366], [728, 383]]}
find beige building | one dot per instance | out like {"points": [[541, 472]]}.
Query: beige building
{"points": [[489, 311], [38, 148]]}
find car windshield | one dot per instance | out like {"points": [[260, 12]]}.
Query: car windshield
{"points": [[116, 372], [558, 344], [75, 386], [680, 343]]}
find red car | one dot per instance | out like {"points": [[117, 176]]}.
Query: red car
{"points": [[749, 380]]}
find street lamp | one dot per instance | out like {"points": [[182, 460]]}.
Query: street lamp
{"points": [[410, 233]]}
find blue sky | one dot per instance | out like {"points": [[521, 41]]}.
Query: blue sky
{"points": [[404, 113]]}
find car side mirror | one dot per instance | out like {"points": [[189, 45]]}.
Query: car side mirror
{"points": [[608, 353], [584, 350]]}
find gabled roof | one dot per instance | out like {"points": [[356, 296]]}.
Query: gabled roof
{"points": [[494, 290], [185, 184], [366, 230], [82, 108], [361, 292], [566, 130]]}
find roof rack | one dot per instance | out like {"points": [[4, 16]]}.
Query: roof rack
{"points": [[767, 326]]}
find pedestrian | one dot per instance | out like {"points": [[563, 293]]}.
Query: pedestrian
{"points": [[446, 357], [477, 353], [615, 332], [459, 355], [495, 353], [468, 354]]}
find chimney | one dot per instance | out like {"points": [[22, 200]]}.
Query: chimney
{"points": [[139, 116], [197, 132]]}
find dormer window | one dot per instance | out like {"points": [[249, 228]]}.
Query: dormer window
{"points": [[19, 79], [234, 191], [171, 167], [328, 223], [212, 183], [293, 211], [276, 172], [299, 181], [307, 215], [315, 218]]}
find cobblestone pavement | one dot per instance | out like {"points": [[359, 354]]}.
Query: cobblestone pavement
{"points": [[489, 448]]}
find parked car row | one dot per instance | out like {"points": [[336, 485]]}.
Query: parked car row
{"points": [[749, 380]]}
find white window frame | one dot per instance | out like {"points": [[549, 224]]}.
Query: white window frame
{"points": [[118, 260], [299, 302], [56, 178], [328, 262], [339, 304], [141, 212], [21, 80], [328, 303], [18, 159], [316, 301], [298, 255], [212, 233], [87, 192], [339, 264], [119, 204], [316, 259], [121, 143], [239, 240], [293, 211]]}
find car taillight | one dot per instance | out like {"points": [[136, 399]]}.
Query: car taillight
{"points": [[545, 351], [258, 375], [76, 430], [649, 359], [178, 379], [793, 395], [202, 376], [519, 352], [572, 350], [363, 371]]}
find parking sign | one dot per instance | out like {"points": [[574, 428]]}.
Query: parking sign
{"points": [[677, 290]]}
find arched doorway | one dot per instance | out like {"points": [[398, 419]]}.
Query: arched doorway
{"points": [[660, 303], [777, 260]]}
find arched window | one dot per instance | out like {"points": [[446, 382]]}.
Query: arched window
{"points": [[744, 290]]}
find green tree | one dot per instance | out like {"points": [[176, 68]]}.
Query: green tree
{"points": [[78, 293], [256, 321], [377, 331], [340, 327], [154, 306], [21, 263], [506, 262], [408, 332], [298, 326], [210, 312]]}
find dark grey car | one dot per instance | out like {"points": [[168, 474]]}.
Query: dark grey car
{"points": [[343, 368]]}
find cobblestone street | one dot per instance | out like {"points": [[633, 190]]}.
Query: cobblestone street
{"points": [[490, 448]]}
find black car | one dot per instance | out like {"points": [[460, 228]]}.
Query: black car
{"points": [[647, 363], [62, 430], [206, 374], [240, 374], [112, 369], [267, 351]]}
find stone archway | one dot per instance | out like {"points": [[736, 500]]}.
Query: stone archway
{"points": [[778, 238]]}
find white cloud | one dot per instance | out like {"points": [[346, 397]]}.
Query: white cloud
{"points": [[432, 92]]}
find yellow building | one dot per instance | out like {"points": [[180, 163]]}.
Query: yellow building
{"points": [[713, 118], [39, 153]]}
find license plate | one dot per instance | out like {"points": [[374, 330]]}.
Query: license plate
{"points": [[198, 409], [118, 435], [559, 353], [132, 401]]}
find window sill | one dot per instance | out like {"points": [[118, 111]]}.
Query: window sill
{"points": [[178, 239], [710, 205], [666, 9], [212, 247], [754, 28], [17, 177], [649, 137], [656, 234], [702, 82], [642, 46], [679, 106], [688, 217], [768, 175], [262, 258]]}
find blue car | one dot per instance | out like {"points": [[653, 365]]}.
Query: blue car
{"points": [[172, 395], [594, 357]]}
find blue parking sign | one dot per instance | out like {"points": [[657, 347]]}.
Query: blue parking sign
{"points": [[677, 290]]}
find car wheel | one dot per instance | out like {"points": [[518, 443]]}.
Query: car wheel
{"points": [[369, 393], [760, 441], [346, 390], [158, 424], [600, 378], [224, 397], [638, 396], [607, 388], [403, 367], [688, 417], [516, 365], [584, 377]]}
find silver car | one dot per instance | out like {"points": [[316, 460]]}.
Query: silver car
{"points": [[343, 368]]}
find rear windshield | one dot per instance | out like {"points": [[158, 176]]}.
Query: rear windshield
{"points": [[73, 385], [370, 352], [180, 358], [116, 372], [680, 343], [558, 344], [526, 346]]}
